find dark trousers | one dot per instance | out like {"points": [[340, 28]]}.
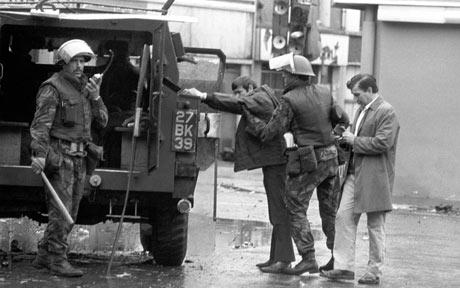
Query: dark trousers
{"points": [[275, 188], [68, 181]]}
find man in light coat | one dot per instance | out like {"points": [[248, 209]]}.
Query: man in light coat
{"points": [[369, 182]]}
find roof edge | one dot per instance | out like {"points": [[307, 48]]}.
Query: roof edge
{"points": [[361, 4]]}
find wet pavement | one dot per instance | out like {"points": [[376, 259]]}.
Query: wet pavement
{"points": [[422, 247], [422, 251]]}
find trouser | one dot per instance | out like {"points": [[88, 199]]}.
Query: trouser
{"points": [[281, 244], [346, 229], [299, 191], [68, 181]]}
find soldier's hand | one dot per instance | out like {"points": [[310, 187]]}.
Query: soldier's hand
{"points": [[38, 164], [193, 93], [93, 88]]}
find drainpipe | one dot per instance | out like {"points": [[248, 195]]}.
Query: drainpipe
{"points": [[325, 12], [368, 39]]}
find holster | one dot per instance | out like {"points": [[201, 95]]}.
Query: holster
{"points": [[343, 153], [95, 154], [308, 162], [293, 165], [53, 160]]}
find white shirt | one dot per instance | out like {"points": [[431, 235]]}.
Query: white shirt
{"points": [[361, 115]]}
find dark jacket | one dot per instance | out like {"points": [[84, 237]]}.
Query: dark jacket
{"points": [[313, 115], [250, 152], [309, 112]]}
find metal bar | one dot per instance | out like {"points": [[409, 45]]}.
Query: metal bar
{"points": [[216, 153], [166, 6], [58, 201], [158, 45], [109, 6], [142, 74]]}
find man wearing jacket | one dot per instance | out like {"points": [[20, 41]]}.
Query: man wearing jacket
{"points": [[67, 104], [369, 182], [309, 113], [251, 153]]}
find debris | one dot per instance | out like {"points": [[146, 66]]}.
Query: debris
{"points": [[15, 246], [245, 244], [124, 274], [404, 207], [444, 208], [366, 236]]}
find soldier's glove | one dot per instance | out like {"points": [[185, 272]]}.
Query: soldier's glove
{"points": [[38, 164], [193, 93]]}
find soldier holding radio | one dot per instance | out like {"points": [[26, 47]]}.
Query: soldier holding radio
{"points": [[67, 104]]}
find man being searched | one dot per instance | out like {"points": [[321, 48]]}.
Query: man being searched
{"points": [[309, 113], [251, 153], [67, 104], [369, 181]]}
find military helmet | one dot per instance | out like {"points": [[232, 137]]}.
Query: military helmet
{"points": [[72, 48], [294, 64]]}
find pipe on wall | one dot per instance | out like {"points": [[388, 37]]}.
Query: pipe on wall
{"points": [[368, 36]]}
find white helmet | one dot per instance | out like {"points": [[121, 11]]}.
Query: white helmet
{"points": [[72, 48], [294, 64]]}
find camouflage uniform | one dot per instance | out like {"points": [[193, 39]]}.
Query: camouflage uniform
{"points": [[52, 138], [309, 113]]}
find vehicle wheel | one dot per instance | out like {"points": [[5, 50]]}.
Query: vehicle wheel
{"points": [[169, 236]]}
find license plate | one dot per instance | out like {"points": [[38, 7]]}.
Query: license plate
{"points": [[185, 130]]}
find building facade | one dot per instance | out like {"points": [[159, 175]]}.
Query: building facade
{"points": [[412, 49], [243, 30]]}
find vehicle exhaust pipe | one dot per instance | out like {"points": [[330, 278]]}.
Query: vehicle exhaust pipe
{"points": [[184, 206]]}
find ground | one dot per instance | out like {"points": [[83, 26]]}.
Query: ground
{"points": [[422, 245]]}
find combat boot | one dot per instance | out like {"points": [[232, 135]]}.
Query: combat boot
{"points": [[61, 267], [42, 260], [308, 264]]}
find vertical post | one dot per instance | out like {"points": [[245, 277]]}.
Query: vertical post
{"points": [[216, 153], [368, 40], [325, 12]]}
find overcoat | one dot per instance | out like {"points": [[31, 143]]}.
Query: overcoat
{"points": [[374, 157]]}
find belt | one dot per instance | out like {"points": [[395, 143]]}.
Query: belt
{"points": [[325, 153], [322, 153], [72, 148]]}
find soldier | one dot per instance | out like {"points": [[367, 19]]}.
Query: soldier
{"points": [[67, 103], [309, 113], [252, 154]]}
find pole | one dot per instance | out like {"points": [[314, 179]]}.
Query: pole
{"points": [[216, 153], [140, 85], [58, 201]]}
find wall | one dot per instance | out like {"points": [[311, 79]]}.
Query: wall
{"points": [[418, 72], [220, 24]]}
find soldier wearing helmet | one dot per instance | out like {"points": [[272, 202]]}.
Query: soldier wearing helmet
{"points": [[307, 111], [67, 105]]}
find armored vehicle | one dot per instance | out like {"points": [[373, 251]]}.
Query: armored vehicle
{"points": [[165, 167]]}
